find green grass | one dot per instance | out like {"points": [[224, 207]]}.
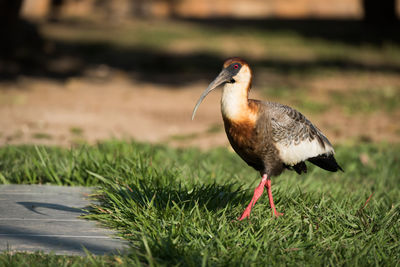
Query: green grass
{"points": [[76, 131], [212, 129], [179, 206], [184, 137], [368, 100], [40, 135], [40, 259], [296, 97]]}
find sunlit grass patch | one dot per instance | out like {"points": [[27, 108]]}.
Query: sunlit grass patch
{"points": [[179, 206], [41, 135], [296, 97], [10, 258], [385, 99], [214, 128], [78, 131], [184, 137]]}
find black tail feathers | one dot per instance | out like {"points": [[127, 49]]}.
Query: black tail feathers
{"points": [[326, 162]]}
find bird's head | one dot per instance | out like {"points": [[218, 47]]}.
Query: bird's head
{"points": [[234, 70]]}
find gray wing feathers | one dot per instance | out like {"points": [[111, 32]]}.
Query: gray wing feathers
{"points": [[295, 137]]}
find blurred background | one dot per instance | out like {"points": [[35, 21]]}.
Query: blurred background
{"points": [[80, 71]]}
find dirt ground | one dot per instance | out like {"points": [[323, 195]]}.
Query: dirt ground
{"points": [[80, 110], [84, 109]]}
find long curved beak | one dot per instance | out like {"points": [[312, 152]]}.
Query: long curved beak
{"points": [[223, 77]]}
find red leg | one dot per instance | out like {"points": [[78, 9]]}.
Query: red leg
{"points": [[257, 194], [271, 200]]}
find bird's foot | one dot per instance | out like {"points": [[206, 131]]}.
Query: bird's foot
{"points": [[245, 214], [276, 214], [247, 211]]}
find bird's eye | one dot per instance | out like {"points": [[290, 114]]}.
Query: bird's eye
{"points": [[236, 66]]}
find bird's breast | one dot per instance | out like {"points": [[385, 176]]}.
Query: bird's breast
{"points": [[243, 139], [241, 133], [251, 141], [241, 129]]}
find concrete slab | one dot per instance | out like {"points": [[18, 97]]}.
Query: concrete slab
{"points": [[46, 218]]}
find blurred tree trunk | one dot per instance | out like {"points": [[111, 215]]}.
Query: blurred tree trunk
{"points": [[9, 10], [172, 8], [379, 12], [9, 24], [139, 8], [20, 42], [55, 10]]}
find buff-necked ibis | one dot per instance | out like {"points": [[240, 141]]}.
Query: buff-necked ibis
{"points": [[270, 137]]}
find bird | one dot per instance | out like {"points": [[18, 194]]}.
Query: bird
{"points": [[268, 136]]}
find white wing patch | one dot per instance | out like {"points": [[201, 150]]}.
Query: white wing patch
{"points": [[292, 154]]}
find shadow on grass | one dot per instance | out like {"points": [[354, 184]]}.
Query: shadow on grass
{"points": [[349, 31], [70, 59], [211, 196], [166, 68], [150, 208]]}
